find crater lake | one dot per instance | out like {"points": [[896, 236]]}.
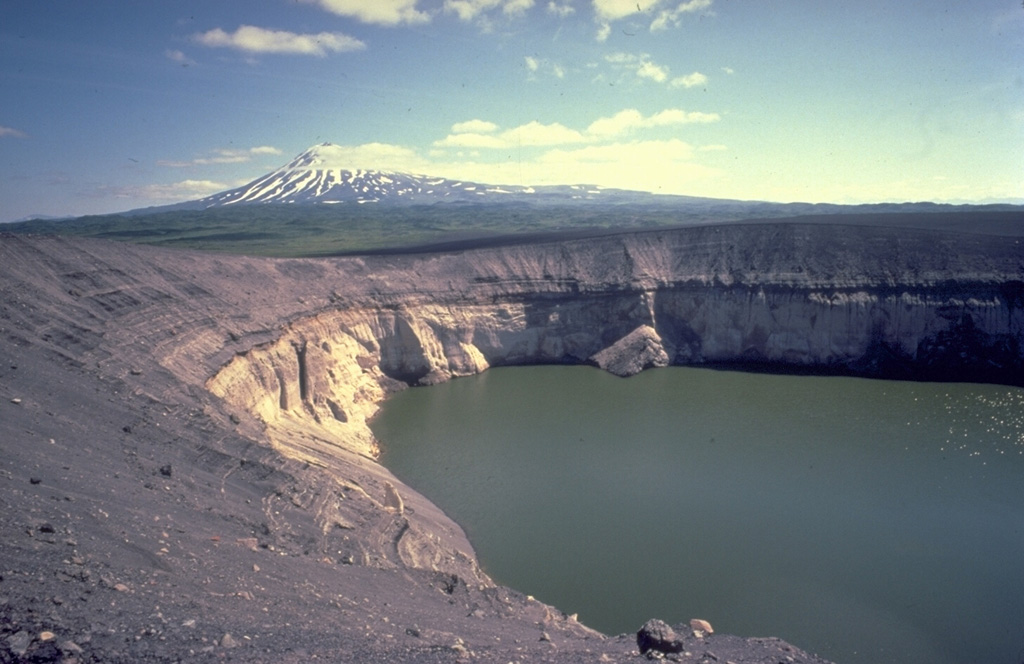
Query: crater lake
{"points": [[868, 521]]}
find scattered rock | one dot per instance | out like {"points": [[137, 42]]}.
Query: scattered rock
{"points": [[47, 636], [701, 627], [19, 642], [228, 641], [250, 543], [656, 635], [35, 480], [71, 647], [16, 401], [166, 470]]}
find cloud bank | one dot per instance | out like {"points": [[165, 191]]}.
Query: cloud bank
{"points": [[380, 12], [252, 39], [224, 156]]}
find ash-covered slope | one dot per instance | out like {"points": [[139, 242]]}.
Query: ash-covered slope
{"points": [[189, 476]]}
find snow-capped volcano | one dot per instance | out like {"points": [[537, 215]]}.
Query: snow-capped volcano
{"points": [[320, 175]]}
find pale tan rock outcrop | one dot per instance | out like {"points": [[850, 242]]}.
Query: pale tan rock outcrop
{"points": [[640, 349]]}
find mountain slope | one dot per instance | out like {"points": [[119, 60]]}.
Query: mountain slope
{"points": [[319, 175]]}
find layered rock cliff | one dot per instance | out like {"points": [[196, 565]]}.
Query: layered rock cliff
{"points": [[785, 298]]}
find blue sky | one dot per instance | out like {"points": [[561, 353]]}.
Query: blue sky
{"points": [[111, 105]]}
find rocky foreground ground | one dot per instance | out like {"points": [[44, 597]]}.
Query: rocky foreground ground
{"points": [[172, 490]]}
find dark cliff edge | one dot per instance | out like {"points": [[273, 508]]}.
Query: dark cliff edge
{"points": [[187, 472]]}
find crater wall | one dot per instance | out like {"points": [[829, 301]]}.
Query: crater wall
{"points": [[300, 353], [792, 298]]}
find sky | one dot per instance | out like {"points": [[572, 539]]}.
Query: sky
{"points": [[111, 105]]}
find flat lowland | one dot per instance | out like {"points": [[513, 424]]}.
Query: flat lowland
{"points": [[326, 230]]}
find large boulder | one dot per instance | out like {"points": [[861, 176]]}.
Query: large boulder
{"points": [[657, 635], [640, 349]]}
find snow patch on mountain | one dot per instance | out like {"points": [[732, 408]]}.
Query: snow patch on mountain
{"points": [[321, 175]]}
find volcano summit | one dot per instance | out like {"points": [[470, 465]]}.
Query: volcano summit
{"points": [[322, 174]]}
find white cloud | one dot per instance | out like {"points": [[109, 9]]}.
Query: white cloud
{"points": [[542, 65], [468, 10], [381, 12], [474, 127], [517, 7], [560, 10], [613, 10], [631, 119], [472, 140], [672, 17], [224, 156], [621, 58], [479, 134], [536, 133], [383, 156], [617, 124], [252, 39], [645, 68], [179, 57], [641, 65], [660, 166], [10, 132], [606, 11], [264, 149], [690, 80], [656, 73], [693, 6], [531, 134]]}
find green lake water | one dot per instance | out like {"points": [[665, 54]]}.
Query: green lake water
{"points": [[868, 521]]}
